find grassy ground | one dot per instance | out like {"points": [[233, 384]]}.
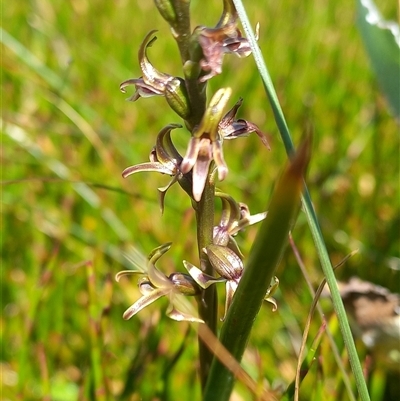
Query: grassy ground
{"points": [[67, 214]]}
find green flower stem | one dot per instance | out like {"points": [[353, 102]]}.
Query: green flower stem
{"points": [[182, 31], [197, 100], [259, 270], [177, 14], [208, 302], [308, 208]]}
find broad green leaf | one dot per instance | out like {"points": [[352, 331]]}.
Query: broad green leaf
{"points": [[382, 43], [263, 260]]}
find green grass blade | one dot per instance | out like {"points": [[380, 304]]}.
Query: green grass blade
{"points": [[99, 383], [308, 207], [21, 137], [30, 59]]}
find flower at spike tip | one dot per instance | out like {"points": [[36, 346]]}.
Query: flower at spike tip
{"points": [[154, 284], [225, 38], [165, 159], [230, 268]]}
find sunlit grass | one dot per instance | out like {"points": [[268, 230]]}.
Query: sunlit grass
{"points": [[67, 127]]}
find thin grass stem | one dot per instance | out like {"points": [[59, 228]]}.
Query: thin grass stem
{"points": [[307, 206]]}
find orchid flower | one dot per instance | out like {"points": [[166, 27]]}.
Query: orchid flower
{"points": [[164, 159], [225, 38], [156, 83], [230, 268], [154, 284], [234, 218]]}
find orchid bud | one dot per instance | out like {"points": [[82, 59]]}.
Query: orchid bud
{"points": [[166, 9], [225, 262], [184, 284], [176, 95]]}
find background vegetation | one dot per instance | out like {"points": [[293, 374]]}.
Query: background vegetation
{"points": [[67, 214]]}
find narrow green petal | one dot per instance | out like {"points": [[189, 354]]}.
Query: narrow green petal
{"points": [[164, 144], [230, 209], [232, 244], [273, 302], [145, 286], [229, 14], [255, 218], [157, 278], [156, 253], [202, 279], [149, 166], [214, 114], [200, 169], [136, 257], [163, 191], [191, 155], [151, 75], [143, 302], [230, 292], [218, 156], [176, 314], [126, 273], [128, 82]]}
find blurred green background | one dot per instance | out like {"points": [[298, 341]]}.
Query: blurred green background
{"points": [[67, 214]]}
